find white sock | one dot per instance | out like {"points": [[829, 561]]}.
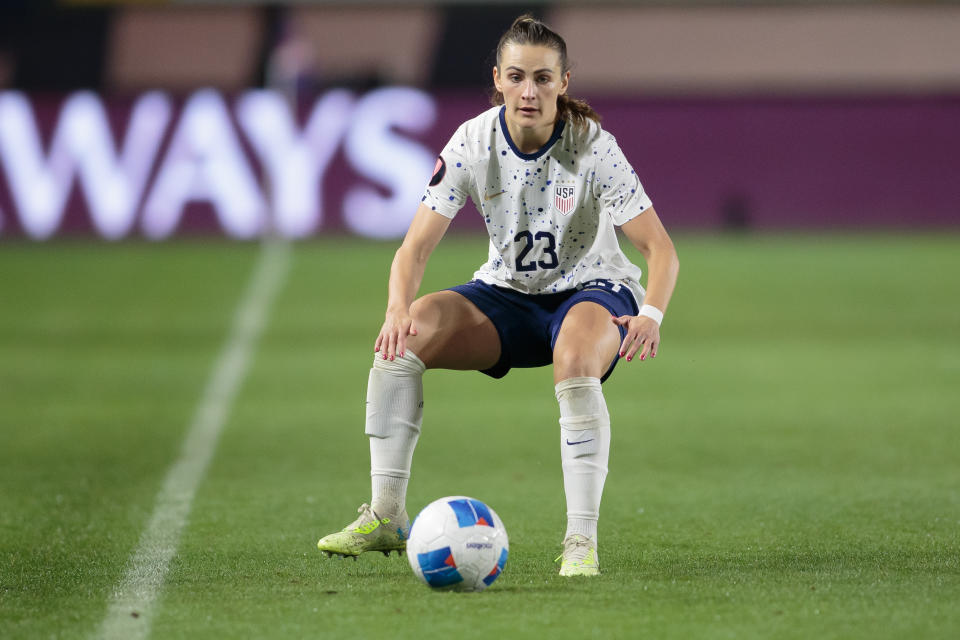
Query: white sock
{"points": [[584, 451], [394, 416]]}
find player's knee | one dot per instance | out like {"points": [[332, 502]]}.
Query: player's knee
{"points": [[575, 363], [426, 313]]}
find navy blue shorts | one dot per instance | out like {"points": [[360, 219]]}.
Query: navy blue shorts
{"points": [[528, 324]]}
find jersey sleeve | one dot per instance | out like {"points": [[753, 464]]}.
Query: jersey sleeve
{"points": [[450, 185], [617, 186]]}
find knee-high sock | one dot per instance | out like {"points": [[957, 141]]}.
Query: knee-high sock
{"points": [[584, 451], [394, 416]]}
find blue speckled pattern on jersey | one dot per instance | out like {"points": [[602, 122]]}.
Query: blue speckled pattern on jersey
{"points": [[536, 247]]}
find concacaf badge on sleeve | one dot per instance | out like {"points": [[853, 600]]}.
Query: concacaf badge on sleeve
{"points": [[438, 171]]}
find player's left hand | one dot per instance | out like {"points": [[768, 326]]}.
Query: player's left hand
{"points": [[643, 334]]}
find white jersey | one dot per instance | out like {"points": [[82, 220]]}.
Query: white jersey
{"points": [[550, 214]]}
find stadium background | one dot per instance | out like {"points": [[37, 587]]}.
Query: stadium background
{"points": [[787, 467], [767, 115]]}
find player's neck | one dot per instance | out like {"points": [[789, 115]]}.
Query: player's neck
{"points": [[530, 139]]}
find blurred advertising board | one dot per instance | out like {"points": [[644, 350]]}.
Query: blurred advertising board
{"points": [[155, 166]]}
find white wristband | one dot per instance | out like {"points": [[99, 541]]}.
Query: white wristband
{"points": [[651, 312]]}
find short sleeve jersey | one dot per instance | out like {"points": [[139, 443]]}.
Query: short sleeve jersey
{"points": [[550, 214]]}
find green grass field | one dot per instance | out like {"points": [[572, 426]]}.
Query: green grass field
{"points": [[788, 467]]}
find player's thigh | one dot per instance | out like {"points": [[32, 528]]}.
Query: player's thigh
{"points": [[452, 333], [587, 342]]}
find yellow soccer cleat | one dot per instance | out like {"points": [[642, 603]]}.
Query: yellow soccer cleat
{"points": [[369, 532], [579, 557]]}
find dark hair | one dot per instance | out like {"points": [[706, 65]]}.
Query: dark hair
{"points": [[528, 30]]}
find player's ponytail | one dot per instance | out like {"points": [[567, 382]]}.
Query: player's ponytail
{"points": [[575, 111], [528, 30]]}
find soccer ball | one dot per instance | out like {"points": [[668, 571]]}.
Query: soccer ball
{"points": [[457, 543]]}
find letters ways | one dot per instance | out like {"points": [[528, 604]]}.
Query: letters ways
{"points": [[129, 185]]}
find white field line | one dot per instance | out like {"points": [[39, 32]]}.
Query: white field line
{"points": [[131, 609]]}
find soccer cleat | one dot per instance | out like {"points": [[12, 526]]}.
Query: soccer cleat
{"points": [[369, 532], [579, 557]]}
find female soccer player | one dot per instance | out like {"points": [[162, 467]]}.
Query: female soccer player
{"points": [[556, 288]]}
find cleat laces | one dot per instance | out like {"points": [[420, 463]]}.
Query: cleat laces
{"points": [[366, 517], [578, 551]]}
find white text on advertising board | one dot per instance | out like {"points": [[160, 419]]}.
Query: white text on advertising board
{"points": [[134, 183]]}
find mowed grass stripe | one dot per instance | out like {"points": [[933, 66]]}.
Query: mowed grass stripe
{"points": [[130, 612], [104, 349]]}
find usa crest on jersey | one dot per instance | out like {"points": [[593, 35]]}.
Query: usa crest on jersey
{"points": [[564, 197]]}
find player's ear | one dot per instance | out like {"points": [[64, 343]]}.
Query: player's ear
{"points": [[496, 79], [564, 83]]}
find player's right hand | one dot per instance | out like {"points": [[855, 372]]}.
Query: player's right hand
{"points": [[392, 340]]}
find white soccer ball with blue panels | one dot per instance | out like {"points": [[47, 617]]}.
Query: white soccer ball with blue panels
{"points": [[458, 543]]}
